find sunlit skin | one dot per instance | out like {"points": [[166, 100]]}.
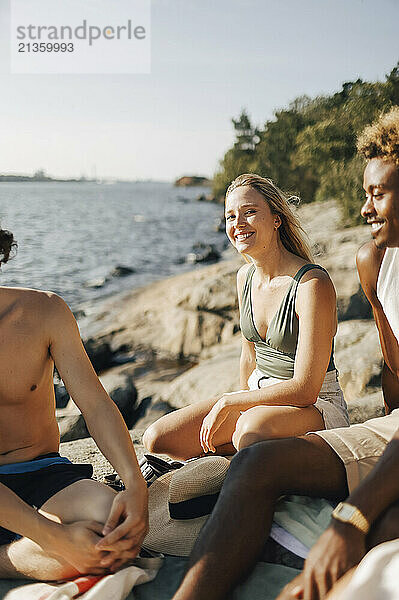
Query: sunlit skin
{"points": [[242, 418]]}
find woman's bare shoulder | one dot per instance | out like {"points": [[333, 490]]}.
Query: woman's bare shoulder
{"points": [[316, 283]]}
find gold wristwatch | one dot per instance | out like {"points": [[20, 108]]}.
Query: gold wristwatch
{"points": [[347, 513]]}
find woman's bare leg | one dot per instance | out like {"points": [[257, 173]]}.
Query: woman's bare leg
{"points": [[271, 422], [177, 434]]}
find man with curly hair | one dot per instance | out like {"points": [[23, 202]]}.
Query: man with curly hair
{"points": [[55, 521], [361, 459]]}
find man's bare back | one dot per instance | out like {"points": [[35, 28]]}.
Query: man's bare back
{"points": [[28, 427]]}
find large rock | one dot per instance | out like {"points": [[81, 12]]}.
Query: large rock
{"points": [[120, 386], [367, 407], [358, 357], [100, 353], [176, 318], [210, 379], [335, 249]]}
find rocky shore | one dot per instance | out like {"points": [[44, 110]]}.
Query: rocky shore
{"points": [[176, 341]]}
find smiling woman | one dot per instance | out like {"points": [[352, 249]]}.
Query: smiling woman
{"points": [[288, 321]]}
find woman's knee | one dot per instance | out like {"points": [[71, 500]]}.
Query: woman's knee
{"points": [[154, 438], [249, 431]]}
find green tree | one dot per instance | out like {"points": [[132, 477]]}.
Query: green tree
{"points": [[310, 147], [238, 159]]}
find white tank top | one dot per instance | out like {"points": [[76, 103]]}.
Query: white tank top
{"points": [[388, 288]]}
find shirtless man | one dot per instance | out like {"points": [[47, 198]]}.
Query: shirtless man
{"points": [[362, 459], [82, 526]]}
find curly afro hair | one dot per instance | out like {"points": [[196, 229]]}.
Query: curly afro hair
{"points": [[381, 138], [7, 245]]}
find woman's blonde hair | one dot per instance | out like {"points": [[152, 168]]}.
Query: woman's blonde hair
{"points": [[292, 235]]}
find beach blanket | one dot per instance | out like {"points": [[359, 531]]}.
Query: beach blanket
{"points": [[298, 522], [116, 586], [264, 583]]}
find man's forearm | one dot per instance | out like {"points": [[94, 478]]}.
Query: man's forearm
{"points": [[381, 487], [110, 433], [19, 517]]}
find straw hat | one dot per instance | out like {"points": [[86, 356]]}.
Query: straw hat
{"points": [[180, 503]]}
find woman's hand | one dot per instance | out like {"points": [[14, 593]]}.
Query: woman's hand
{"points": [[223, 408], [211, 423]]}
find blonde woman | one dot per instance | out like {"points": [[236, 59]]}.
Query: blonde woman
{"points": [[288, 322]]}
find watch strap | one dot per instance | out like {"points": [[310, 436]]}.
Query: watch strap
{"points": [[357, 518]]}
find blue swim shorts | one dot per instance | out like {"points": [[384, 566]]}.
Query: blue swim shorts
{"points": [[37, 480]]}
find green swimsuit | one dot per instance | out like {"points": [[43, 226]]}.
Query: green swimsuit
{"points": [[275, 355]]}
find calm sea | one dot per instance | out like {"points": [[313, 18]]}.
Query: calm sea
{"points": [[71, 236]]}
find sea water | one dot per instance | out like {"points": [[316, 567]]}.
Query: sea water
{"points": [[71, 236]]}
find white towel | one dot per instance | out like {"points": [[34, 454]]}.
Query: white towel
{"points": [[116, 586]]}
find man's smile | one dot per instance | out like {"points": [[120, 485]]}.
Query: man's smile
{"points": [[376, 225]]}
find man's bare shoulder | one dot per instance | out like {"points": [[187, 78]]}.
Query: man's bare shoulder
{"points": [[30, 297], [42, 306], [368, 262]]}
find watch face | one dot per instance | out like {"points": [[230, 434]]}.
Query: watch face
{"points": [[345, 511]]}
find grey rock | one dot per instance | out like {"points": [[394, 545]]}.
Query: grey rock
{"points": [[100, 353], [203, 253], [96, 283], [358, 357], [121, 271], [210, 379], [367, 407], [120, 386], [354, 307], [61, 395]]}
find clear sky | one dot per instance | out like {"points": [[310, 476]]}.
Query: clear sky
{"points": [[210, 58]]}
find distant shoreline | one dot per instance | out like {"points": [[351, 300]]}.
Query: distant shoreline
{"points": [[41, 179]]}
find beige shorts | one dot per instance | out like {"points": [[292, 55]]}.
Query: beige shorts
{"points": [[330, 402], [360, 446]]}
